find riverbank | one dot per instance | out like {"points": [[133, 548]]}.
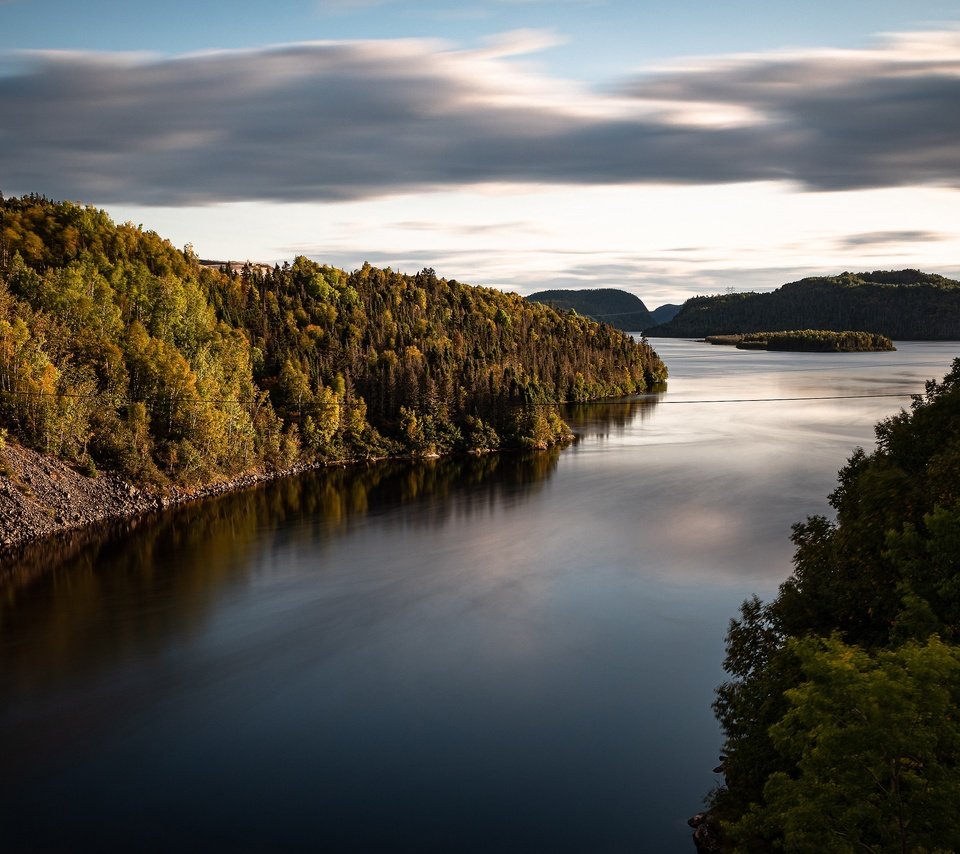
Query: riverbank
{"points": [[41, 496]]}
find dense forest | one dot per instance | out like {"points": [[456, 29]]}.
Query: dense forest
{"points": [[621, 309], [905, 305], [806, 341], [119, 350], [842, 713]]}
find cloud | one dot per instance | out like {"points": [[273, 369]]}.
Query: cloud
{"points": [[466, 229], [886, 238], [353, 120]]}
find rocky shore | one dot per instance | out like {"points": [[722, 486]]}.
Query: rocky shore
{"points": [[41, 496]]}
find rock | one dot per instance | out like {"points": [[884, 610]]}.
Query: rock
{"points": [[705, 833], [58, 497]]}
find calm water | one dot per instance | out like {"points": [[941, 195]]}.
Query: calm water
{"points": [[504, 654]]}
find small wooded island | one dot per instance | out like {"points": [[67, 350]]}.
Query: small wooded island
{"points": [[806, 341]]}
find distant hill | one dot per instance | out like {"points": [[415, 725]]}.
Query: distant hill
{"points": [[620, 309], [665, 313], [902, 304]]}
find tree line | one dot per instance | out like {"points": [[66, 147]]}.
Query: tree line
{"points": [[806, 341], [119, 350], [842, 711]]}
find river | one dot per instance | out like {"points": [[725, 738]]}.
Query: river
{"points": [[509, 653]]}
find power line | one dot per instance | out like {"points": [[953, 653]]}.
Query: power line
{"points": [[628, 401], [780, 399]]}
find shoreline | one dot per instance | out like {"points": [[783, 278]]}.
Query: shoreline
{"points": [[42, 497]]}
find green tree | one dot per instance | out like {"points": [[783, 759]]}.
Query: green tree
{"points": [[875, 741], [843, 689]]}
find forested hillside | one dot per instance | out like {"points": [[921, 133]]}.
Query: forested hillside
{"points": [[842, 715], [905, 305], [119, 350], [621, 309]]}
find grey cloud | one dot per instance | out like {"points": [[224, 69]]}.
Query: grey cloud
{"points": [[351, 260], [885, 238], [357, 120], [451, 265], [618, 273], [648, 277], [834, 122], [708, 280], [467, 229]]}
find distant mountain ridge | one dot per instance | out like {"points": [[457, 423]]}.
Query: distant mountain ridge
{"points": [[620, 309], [901, 304], [665, 313]]}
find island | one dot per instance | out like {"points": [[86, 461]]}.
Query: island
{"points": [[806, 341]]}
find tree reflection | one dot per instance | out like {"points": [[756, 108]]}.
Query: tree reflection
{"points": [[611, 417], [89, 598]]}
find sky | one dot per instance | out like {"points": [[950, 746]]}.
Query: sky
{"points": [[669, 149]]}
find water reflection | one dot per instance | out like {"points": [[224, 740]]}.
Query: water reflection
{"points": [[505, 653], [611, 417], [209, 605], [53, 592]]}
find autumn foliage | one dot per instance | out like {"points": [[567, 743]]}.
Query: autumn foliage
{"points": [[118, 350]]}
